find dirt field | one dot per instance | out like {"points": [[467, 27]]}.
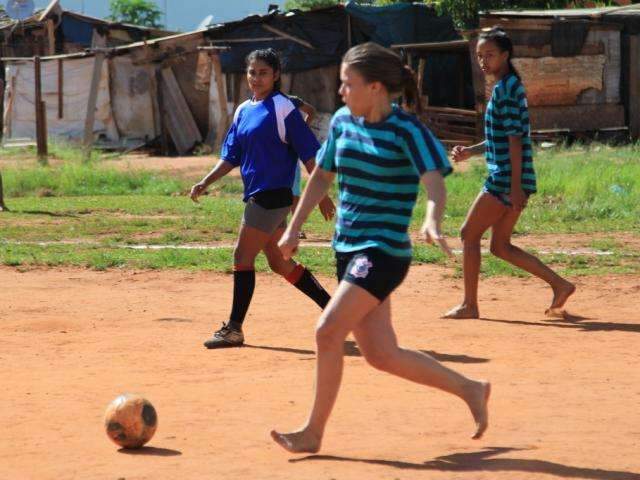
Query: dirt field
{"points": [[564, 405]]}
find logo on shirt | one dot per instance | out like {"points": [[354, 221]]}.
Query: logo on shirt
{"points": [[361, 266]]}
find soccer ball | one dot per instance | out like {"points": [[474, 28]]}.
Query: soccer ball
{"points": [[130, 420]]}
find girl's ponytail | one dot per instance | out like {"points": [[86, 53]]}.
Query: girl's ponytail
{"points": [[411, 92], [378, 64]]}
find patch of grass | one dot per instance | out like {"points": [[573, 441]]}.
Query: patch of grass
{"points": [[594, 190], [76, 179]]}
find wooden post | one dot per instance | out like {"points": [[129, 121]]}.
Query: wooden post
{"points": [[41, 134], [51, 37], [60, 89], [461, 85], [164, 136], [634, 87], [223, 123], [91, 105]]}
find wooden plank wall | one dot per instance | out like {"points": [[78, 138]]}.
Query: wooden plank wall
{"points": [[577, 93]]}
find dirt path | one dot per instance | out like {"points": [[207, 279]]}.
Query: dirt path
{"points": [[565, 402]]}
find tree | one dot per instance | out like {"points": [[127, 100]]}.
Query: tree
{"points": [[309, 4], [465, 13], [136, 12]]}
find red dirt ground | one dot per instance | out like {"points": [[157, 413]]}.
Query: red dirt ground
{"points": [[564, 405]]}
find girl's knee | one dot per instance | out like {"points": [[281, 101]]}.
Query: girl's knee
{"points": [[499, 249], [328, 333], [277, 266]]}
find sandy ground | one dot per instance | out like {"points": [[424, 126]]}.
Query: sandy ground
{"points": [[564, 405]]}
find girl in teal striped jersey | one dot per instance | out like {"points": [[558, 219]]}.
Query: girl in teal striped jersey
{"points": [[510, 181], [380, 154]]}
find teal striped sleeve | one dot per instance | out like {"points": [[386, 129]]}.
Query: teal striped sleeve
{"points": [[511, 102], [423, 149], [326, 156]]}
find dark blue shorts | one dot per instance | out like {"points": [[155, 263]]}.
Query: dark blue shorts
{"points": [[373, 270], [503, 198]]}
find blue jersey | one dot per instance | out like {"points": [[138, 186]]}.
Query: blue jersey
{"points": [[378, 167], [508, 115], [265, 140]]}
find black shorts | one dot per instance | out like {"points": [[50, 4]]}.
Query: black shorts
{"points": [[372, 269]]}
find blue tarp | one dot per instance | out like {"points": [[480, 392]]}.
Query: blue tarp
{"points": [[326, 29]]}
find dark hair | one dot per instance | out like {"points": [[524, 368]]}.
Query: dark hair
{"points": [[378, 64], [502, 40], [271, 58]]}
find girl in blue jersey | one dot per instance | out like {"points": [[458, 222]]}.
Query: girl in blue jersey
{"points": [[380, 155], [510, 181], [267, 137]]}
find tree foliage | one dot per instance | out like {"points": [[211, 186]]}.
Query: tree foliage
{"points": [[136, 12], [465, 13]]}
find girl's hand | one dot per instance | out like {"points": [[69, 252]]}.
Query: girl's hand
{"points": [[430, 233], [197, 190], [327, 208], [460, 153], [288, 243], [518, 199]]}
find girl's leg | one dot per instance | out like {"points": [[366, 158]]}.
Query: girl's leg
{"points": [[293, 272], [485, 211], [501, 247], [347, 308], [377, 342], [250, 242]]}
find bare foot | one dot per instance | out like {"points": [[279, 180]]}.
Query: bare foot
{"points": [[560, 296], [462, 311], [302, 441], [478, 399]]}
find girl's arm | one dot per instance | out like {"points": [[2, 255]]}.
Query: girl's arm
{"points": [[316, 190], [460, 153], [220, 170], [517, 197], [327, 208], [309, 111], [436, 203]]}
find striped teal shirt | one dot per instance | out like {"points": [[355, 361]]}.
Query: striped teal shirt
{"points": [[378, 167], [508, 115]]}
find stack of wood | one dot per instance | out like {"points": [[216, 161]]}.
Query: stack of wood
{"points": [[453, 126]]}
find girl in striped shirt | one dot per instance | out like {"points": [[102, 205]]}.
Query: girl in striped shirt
{"points": [[380, 155], [510, 181]]}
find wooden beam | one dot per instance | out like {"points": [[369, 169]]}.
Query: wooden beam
{"points": [[454, 45], [634, 86], [223, 122], [247, 40], [287, 36], [91, 105], [180, 122], [48, 10], [51, 37], [164, 136]]}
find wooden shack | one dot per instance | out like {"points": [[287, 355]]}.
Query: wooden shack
{"points": [[580, 67]]}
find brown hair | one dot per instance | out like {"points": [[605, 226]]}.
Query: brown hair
{"points": [[378, 64]]}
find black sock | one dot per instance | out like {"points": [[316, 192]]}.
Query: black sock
{"points": [[308, 285], [244, 283]]}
